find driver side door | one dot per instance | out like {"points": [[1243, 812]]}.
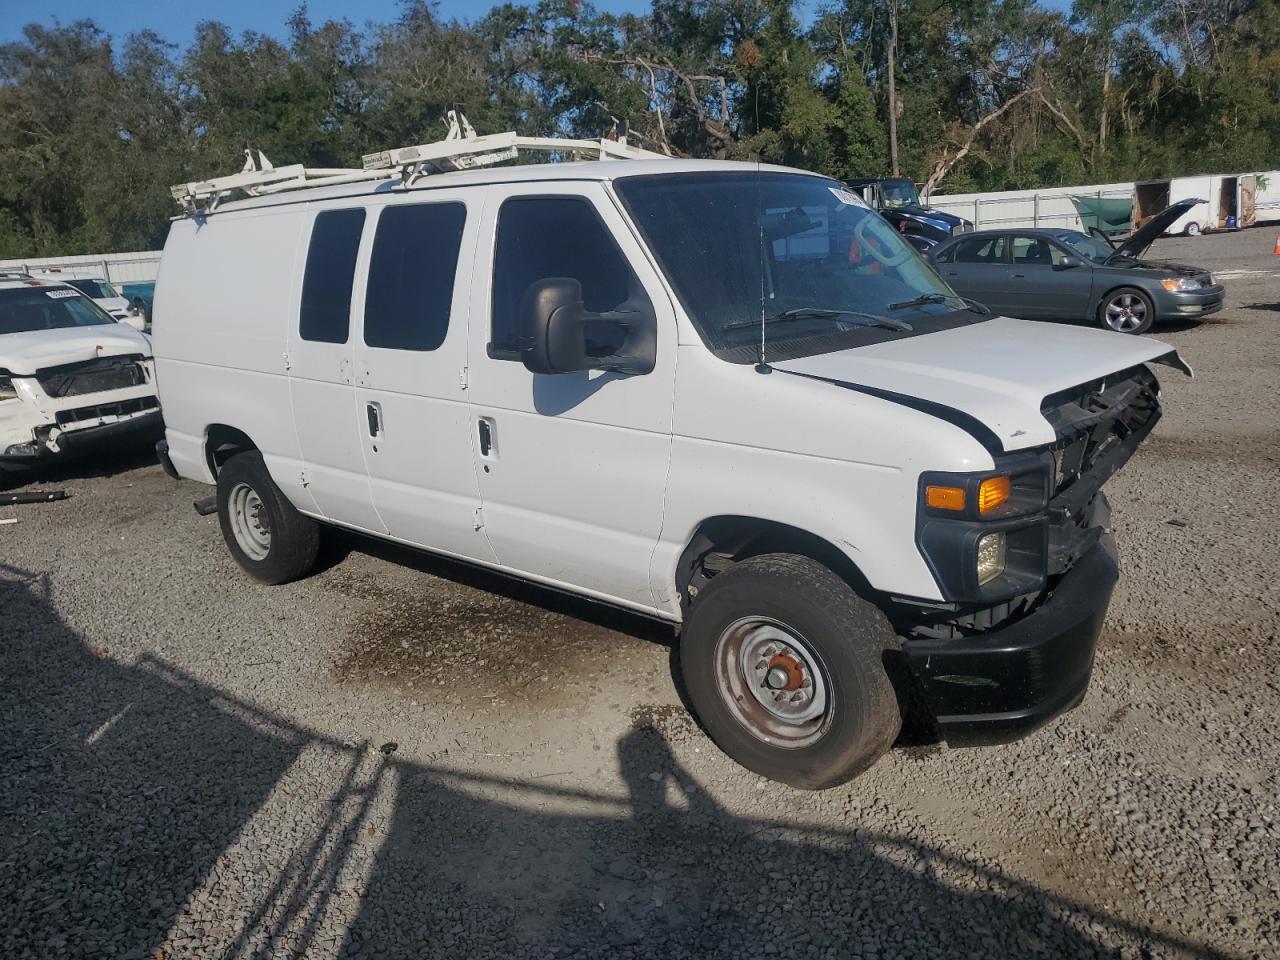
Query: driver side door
{"points": [[1042, 286]]}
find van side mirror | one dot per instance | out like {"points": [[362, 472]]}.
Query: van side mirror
{"points": [[1069, 262], [559, 335]]}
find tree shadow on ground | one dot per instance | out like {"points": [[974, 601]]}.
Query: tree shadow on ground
{"points": [[145, 814]]}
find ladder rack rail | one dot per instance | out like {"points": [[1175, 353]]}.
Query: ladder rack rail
{"points": [[463, 149]]}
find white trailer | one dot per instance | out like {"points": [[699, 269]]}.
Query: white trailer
{"points": [[1266, 196], [1230, 201]]}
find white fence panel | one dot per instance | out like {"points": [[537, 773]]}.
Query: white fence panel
{"points": [[134, 267], [1026, 208]]}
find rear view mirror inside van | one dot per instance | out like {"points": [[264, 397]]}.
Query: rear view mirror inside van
{"points": [[559, 335]]}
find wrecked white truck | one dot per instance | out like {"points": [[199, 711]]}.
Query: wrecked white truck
{"points": [[71, 377]]}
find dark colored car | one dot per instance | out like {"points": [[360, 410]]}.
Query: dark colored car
{"points": [[1051, 274], [898, 202]]}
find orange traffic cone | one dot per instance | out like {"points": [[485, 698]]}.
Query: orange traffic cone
{"points": [[1276, 251]]}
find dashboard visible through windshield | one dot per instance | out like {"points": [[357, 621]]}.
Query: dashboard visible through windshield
{"points": [[798, 257], [899, 193], [1086, 246]]}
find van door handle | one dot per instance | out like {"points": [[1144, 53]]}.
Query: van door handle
{"points": [[485, 428], [374, 412]]}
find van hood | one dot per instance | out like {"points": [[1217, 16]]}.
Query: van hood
{"points": [[23, 354], [995, 372]]}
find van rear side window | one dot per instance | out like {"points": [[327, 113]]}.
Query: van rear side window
{"points": [[411, 271], [331, 266]]}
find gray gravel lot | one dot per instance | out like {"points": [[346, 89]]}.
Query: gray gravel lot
{"points": [[400, 757]]}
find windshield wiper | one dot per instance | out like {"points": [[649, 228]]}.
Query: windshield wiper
{"points": [[928, 298], [825, 313]]}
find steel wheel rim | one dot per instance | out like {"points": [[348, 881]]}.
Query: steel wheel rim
{"points": [[249, 523], [1125, 312], [773, 682]]}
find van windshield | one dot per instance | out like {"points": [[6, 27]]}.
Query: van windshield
{"points": [[47, 308], [802, 253]]}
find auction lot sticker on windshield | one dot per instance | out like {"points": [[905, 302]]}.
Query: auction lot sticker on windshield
{"points": [[847, 196], [60, 294]]}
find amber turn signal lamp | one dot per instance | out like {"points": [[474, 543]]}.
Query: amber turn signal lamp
{"points": [[944, 498], [992, 492]]}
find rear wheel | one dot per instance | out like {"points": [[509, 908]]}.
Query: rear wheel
{"points": [[784, 664], [1191, 230], [265, 533], [1126, 310]]}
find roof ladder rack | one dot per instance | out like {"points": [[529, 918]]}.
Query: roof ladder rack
{"points": [[462, 149], [259, 177]]}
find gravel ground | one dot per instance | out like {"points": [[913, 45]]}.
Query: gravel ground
{"points": [[403, 758]]}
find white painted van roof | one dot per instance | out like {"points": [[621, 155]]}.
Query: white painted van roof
{"points": [[518, 173]]}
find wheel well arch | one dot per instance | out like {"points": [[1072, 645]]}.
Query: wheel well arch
{"points": [[222, 442], [719, 542], [1117, 287]]}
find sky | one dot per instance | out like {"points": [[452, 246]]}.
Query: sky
{"points": [[175, 20]]}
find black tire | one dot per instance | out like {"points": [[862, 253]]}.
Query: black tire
{"points": [[1135, 301], [849, 637], [291, 540]]}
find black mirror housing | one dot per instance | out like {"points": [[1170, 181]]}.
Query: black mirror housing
{"points": [[554, 325], [1070, 263]]}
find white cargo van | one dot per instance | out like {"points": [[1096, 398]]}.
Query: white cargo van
{"points": [[726, 395]]}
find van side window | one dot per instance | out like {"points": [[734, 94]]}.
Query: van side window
{"points": [[326, 284], [411, 271], [541, 237]]}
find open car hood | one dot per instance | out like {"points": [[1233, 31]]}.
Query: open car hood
{"points": [[996, 372], [23, 354], [1138, 241]]}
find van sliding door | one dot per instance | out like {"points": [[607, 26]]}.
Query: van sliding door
{"points": [[411, 372]]}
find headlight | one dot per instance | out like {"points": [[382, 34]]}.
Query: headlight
{"points": [[991, 557], [6, 389], [985, 535], [1180, 283]]}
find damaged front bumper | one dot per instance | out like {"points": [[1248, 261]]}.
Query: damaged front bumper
{"points": [[1010, 655], [1000, 685], [51, 441]]}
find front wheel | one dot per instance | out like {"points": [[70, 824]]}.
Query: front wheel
{"points": [[1126, 311], [1191, 230], [265, 533], [784, 665]]}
